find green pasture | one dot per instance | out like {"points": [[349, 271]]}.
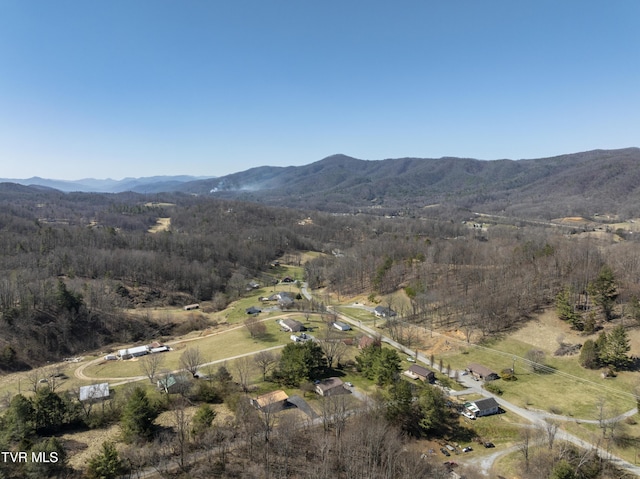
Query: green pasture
{"points": [[359, 314], [567, 389], [215, 347]]}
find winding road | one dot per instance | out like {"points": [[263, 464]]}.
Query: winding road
{"points": [[537, 418]]}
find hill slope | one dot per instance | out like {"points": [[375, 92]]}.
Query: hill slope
{"points": [[580, 183]]}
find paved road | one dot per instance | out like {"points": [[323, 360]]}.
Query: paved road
{"points": [[537, 418]]}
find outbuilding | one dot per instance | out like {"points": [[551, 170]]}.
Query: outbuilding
{"points": [[133, 352], [94, 392], [340, 326]]}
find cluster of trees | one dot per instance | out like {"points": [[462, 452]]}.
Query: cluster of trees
{"points": [[299, 362], [602, 292], [379, 364], [25, 427], [541, 454], [609, 349]]}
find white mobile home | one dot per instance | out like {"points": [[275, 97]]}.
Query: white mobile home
{"points": [[133, 352]]}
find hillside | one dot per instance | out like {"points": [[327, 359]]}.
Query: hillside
{"points": [[575, 184]]}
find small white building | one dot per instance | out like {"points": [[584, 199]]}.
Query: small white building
{"points": [[94, 392], [160, 349], [340, 326]]}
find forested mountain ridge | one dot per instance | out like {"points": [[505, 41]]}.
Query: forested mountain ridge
{"points": [[574, 184], [577, 184], [151, 184]]}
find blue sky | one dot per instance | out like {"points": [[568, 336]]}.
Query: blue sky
{"points": [[141, 88]]}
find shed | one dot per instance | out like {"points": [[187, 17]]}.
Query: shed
{"points": [[94, 392], [340, 326], [190, 307], [160, 349], [253, 310]]}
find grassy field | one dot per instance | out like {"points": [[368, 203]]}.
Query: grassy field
{"points": [[568, 389], [233, 342]]}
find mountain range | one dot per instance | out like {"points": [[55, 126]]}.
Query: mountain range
{"points": [[577, 184], [587, 183], [152, 184]]}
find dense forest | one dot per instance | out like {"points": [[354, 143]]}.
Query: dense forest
{"points": [[75, 267], [599, 181], [72, 263]]}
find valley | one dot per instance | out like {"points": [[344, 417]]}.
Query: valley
{"points": [[242, 301]]}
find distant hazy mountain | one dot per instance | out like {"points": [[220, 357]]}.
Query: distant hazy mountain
{"points": [[578, 184], [590, 182], [152, 184]]}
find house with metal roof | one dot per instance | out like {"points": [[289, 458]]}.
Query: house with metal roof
{"points": [[94, 392]]}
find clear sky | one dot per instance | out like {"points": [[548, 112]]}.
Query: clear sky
{"points": [[110, 89]]}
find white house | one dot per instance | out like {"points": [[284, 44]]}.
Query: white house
{"points": [[483, 407], [383, 312]]}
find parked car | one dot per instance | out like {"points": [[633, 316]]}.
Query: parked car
{"points": [[467, 449], [489, 444], [411, 359], [444, 451], [348, 384]]}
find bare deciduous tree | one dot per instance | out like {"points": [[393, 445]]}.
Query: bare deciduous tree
{"points": [[265, 360], [190, 360], [551, 429], [332, 346], [255, 327], [243, 367], [151, 364]]}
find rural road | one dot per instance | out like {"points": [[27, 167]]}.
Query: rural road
{"points": [[80, 370], [537, 418]]}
